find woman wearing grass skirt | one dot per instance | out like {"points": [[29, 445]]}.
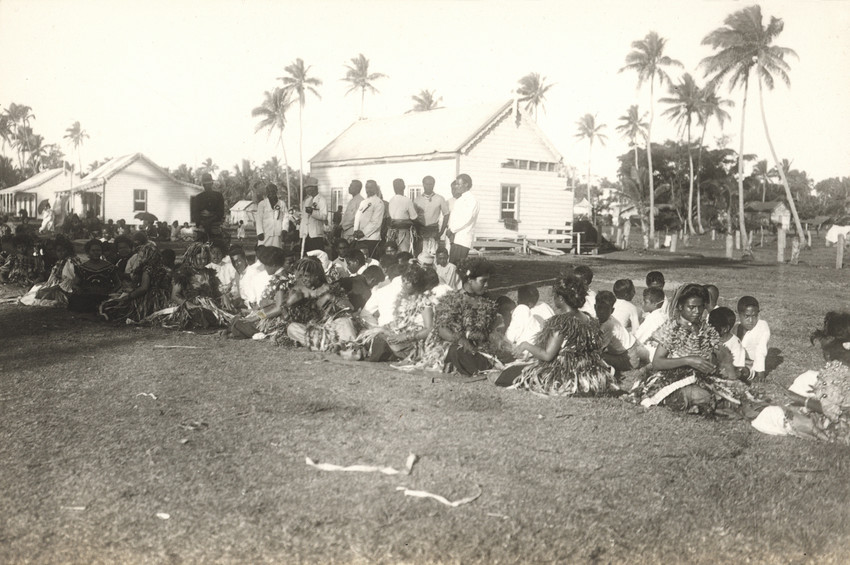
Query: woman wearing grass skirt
{"points": [[467, 334], [566, 356], [60, 282], [820, 400], [195, 296], [149, 289], [322, 317], [94, 280]]}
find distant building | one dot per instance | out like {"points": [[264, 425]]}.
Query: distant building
{"points": [[35, 190], [243, 210], [126, 186], [516, 173], [770, 213]]}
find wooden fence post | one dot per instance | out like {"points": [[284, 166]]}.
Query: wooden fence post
{"points": [[713, 234], [839, 252], [795, 250], [730, 246], [737, 239], [780, 245], [673, 242]]}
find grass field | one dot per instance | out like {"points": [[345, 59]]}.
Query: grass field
{"points": [[101, 431]]}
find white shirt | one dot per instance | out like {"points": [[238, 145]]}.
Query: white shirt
{"points": [[254, 283], [755, 344], [369, 217], [739, 355], [615, 338], [652, 322], [589, 306], [313, 224], [448, 275], [463, 219], [627, 314], [382, 301], [527, 322], [226, 274], [268, 222]]}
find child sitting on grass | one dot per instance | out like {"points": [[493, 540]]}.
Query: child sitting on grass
{"points": [[624, 311], [731, 356], [655, 279], [528, 317], [619, 348], [754, 334], [713, 296], [585, 273], [655, 316]]}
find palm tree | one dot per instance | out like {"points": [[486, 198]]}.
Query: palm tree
{"points": [[711, 107], [75, 135], [298, 82], [273, 113], [358, 75], [208, 166], [648, 60], [20, 115], [588, 129], [633, 126], [744, 44], [763, 173], [685, 102], [425, 101], [7, 130], [532, 90], [38, 152]]}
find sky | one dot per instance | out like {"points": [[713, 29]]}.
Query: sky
{"points": [[177, 80]]}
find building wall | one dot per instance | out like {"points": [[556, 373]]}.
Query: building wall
{"points": [[543, 201], [167, 199]]}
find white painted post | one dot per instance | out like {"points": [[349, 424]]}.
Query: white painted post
{"points": [[674, 241], [730, 245], [737, 239], [713, 234], [795, 250], [780, 245], [839, 252]]}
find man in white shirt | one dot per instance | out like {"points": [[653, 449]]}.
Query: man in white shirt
{"points": [[268, 219], [315, 214], [656, 315], [754, 333], [368, 220], [254, 282], [402, 215], [464, 216], [381, 305], [430, 206], [351, 209], [624, 311]]}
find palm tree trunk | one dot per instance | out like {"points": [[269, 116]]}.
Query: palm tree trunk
{"points": [[781, 169], [649, 160], [691, 188], [593, 207], [696, 179], [300, 152], [745, 241], [286, 173], [362, 100]]}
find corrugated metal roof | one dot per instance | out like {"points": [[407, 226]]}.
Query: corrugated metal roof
{"points": [[445, 130], [34, 181]]}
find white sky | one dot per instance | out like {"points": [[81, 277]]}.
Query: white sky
{"points": [[177, 80]]}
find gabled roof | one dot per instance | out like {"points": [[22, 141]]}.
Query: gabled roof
{"points": [[34, 181], [243, 205], [444, 131], [114, 166]]}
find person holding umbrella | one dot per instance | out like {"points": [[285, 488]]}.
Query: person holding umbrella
{"points": [[208, 209]]}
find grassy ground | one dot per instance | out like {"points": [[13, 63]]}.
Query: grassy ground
{"points": [[89, 457]]}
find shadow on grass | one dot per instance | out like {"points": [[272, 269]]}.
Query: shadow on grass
{"points": [[774, 359]]}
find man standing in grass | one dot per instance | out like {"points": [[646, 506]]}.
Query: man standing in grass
{"points": [[368, 220], [269, 223], [351, 209], [314, 217], [207, 209], [430, 206], [462, 220], [402, 216]]}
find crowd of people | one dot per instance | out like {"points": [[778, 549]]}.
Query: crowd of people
{"points": [[425, 311]]}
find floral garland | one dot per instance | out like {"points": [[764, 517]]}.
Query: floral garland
{"points": [[464, 314], [278, 283], [407, 308], [681, 339], [833, 389]]}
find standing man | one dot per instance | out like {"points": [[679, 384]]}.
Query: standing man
{"points": [[402, 215], [368, 220], [207, 209], [314, 217], [268, 219], [462, 220], [351, 209], [429, 206]]}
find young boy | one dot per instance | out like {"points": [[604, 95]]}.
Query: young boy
{"points": [[655, 316], [585, 273], [655, 279], [713, 296], [754, 334], [528, 317], [624, 311], [445, 270], [731, 357], [619, 348]]}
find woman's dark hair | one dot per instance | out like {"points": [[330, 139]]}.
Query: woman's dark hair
{"points": [[688, 291], [834, 334], [415, 275], [312, 268], [474, 268], [572, 290], [91, 243], [140, 238]]}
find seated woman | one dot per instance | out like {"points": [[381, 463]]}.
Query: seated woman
{"points": [[413, 320], [150, 292], [321, 313], [22, 268], [567, 353], [468, 331], [686, 371], [95, 279], [820, 405], [60, 282], [195, 294]]}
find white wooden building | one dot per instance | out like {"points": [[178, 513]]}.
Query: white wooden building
{"points": [[128, 185], [35, 190], [515, 169]]}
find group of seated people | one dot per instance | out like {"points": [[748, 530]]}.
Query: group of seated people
{"points": [[685, 352]]}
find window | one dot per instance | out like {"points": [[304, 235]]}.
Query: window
{"points": [[336, 198], [509, 202], [140, 201], [545, 166], [414, 192]]}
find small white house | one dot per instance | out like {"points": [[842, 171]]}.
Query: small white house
{"points": [[35, 190], [515, 169], [128, 185], [244, 211]]}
